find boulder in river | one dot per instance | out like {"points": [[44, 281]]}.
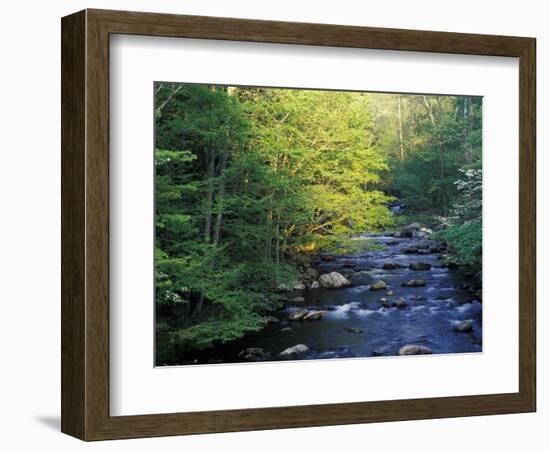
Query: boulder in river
{"points": [[297, 314], [314, 285], [400, 303], [385, 303], [415, 226], [392, 266], [254, 354], [414, 283], [327, 257], [297, 300], [378, 285], [464, 326], [423, 232], [390, 293], [411, 349], [424, 251], [295, 351], [299, 286], [420, 266], [392, 242], [409, 250], [354, 330], [315, 315], [333, 280]]}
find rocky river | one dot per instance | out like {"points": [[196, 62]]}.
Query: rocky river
{"points": [[396, 299]]}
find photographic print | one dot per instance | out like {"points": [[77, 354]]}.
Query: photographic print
{"points": [[303, 224]]}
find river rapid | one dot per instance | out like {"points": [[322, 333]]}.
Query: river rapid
{"points": [[360, 322]]}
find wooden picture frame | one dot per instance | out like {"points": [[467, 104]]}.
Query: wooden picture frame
{"points": [[85, 224]]}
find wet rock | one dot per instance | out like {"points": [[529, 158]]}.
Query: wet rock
{"points": [[392, 266], [435, 250], [397, 234], [410, 230], [410, 349], [377, 286], [415, 226], [333, 280], [414, 283], [420, 266], [272, 319], [299, 286], [386, 303], [354, 330], [254, 354], [314, 285], [297, 314], [390, 293], [347, 272], [315, 315], [422, 246], [295, 351], [286, 329], [349, 264], [400, 303], [383, 351], [423, 232], [392, 242], [424, 251], [409, 250], [327, 257], [297, 300], [416, 298], [464, 326]]}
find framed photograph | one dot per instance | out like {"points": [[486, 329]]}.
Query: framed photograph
{"points": [[273, 225]]}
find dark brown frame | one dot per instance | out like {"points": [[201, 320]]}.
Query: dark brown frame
{"points": [[85, 224]]}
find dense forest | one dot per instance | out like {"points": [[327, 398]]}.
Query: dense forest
{"points": [[253, 183]]}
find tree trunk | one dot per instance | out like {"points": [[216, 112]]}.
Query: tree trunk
{"points": [[172, 94], [430, 110], [209, 196], [400, 118], [221, 195], [442, 194], [198, 305]]}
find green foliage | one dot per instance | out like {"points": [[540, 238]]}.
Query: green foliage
{"points": [[465, 244], [439, 136], [464, 227]]}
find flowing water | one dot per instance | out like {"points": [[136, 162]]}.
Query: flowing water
{"points": [[359, 323]]}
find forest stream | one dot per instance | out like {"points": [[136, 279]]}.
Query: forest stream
{"points": [[443, 315]]}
